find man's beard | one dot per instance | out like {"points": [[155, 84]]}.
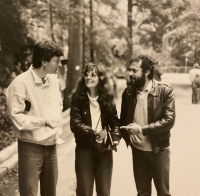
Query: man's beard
{"points": [[138, 82]]}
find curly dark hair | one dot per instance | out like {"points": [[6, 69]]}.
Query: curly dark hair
{"points": [[105, 93], [148, 63], [44, 51]]}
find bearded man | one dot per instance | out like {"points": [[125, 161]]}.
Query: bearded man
{"points": [[147, 115]]}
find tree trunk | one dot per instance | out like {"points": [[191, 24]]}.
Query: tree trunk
{"points": [[195, 41], [91, 33], [75, 48], [83, 37], [51, 20], [129, 38]]}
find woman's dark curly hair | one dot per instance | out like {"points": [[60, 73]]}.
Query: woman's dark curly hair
{"points": [[106, 96]]}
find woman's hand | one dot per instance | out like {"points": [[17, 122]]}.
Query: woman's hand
{"points": [[100, 135], [116, 143]]}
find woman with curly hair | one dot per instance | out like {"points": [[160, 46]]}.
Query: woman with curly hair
{"points": [[92, 111]]}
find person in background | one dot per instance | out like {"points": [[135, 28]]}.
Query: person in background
{"points": [[194, 74], [113, 81], [114, 78], [93, 110], [147, 115], [35, 106], [62, 76], [158, 71]]}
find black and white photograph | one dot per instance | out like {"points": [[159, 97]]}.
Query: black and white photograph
{"points": [[99, 97]]}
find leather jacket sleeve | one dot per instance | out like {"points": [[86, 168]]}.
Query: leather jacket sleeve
{"points": [[76, 122], [114, 123], [123, 114], [168, 116]]}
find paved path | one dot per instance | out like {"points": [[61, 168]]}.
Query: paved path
{"points": [[185, 148]]}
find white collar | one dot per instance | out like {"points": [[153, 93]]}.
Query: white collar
{"points": [[37, 79], [149, 86], [92, 99]]}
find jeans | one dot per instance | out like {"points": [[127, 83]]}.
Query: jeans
{"points": [[148, 165], [195, 94], [92, 165], [37, 162]]}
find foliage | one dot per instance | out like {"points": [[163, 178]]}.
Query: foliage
{"points": [[152, 17], [42, 26], [6, 129], [184, 34], [8, 183], [7, 74], [13, 31], [107, 33], [25, 22], [152, 20]]}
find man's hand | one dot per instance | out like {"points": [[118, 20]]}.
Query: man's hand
{"points": [[53, 123], [101, 135], [133, 128]]}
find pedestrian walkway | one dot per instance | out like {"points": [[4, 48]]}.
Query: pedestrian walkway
{"points": [[185, 147]]}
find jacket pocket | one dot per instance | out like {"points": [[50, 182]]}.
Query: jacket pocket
{"points": [[163, 136]]}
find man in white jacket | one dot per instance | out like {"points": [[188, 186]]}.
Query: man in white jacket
{"points": [[35, 106]]}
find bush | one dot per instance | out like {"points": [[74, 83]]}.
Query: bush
{"points": [[9, 182], [6, 129], [9, 69]]}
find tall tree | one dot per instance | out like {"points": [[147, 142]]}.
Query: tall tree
{"points": [[51, 20], [91, 32], [13, 31], [75, 47], [130, 33], [183, 34]]}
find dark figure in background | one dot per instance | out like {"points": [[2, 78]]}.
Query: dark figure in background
{"points": [[62, 76], [113, 81], [35, 107], [195, 78], [92, 110], [147, 115], [23, 58], [158, 71]]}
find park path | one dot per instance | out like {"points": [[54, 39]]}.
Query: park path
{"points": [[185, 148]]}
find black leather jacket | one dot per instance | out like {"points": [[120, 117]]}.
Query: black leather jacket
{"points": [[161, 114], [80, 122]]}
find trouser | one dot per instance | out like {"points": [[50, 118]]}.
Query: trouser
{"points": [[148, 166], [37, 162], [195, 94], [92, 165]]}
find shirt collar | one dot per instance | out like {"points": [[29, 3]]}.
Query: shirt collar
{"points": [[148, 87], [37, 79], [92, 99]]}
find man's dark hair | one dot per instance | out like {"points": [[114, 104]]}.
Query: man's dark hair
{"points": [[44, 51], [148, 63]]}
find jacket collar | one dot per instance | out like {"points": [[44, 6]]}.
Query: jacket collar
{"points": [[154, 91], [38, 80]]}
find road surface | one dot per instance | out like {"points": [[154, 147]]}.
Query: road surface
{"points": [[185, 148]]}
